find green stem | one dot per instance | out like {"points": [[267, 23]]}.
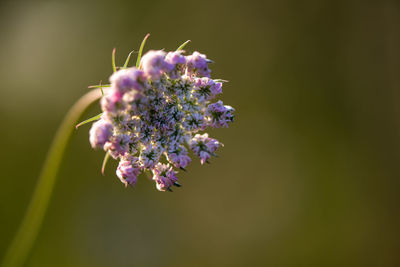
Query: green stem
{"points": [[25, 237]]}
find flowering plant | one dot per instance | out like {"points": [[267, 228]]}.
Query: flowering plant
{"points": [[157, 109], [152, 110]]}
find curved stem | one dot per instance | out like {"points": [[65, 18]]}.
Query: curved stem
{"points": [[30, 226]]}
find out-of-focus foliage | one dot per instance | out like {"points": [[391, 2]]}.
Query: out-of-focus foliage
{"points": [[309, 175]]}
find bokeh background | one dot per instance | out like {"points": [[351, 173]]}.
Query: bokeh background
{"points": [[309, 175]]}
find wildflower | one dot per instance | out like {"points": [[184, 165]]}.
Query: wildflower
{"points": [[155, 112]]}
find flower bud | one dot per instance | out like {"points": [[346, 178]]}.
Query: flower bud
{"points": [[100, 133]]}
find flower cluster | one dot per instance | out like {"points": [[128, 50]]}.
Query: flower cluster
{"points": [[157, 110]]}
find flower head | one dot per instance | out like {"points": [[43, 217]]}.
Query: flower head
{"points": [[155, 112]]}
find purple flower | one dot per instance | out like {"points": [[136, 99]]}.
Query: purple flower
{"points": [[177, 62], [178, 156], [219, 115], [100, 133], [204, 147], [206, 89], [198, 64], [118, 145], [154, 64], [150, 156], [175, 58], [128, 171], [194, 122], [156, 111], [164, 176], [127, 79], [112, 100]]}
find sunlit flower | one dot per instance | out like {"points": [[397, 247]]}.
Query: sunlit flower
{"points": [[154, 113]]}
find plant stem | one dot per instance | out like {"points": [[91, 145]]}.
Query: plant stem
{"points": [[25, 237]]}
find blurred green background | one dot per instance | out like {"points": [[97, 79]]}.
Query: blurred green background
{"points": [[309, 175]]}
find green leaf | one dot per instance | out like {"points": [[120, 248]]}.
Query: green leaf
{"points": [[105, 160], [183, 45], [127, 60], [113, 61], [95, 118], [141, 50]]}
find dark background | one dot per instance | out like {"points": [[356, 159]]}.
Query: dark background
{"points": [[309, 175]]}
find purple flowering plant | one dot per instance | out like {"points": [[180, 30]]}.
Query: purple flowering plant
{"points": [[152, 115]]}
